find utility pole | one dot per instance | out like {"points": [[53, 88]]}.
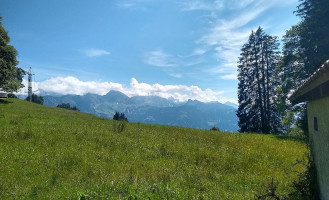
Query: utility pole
{"points": [[29, 73]]}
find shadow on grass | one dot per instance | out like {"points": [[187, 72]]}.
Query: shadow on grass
{"points": [[5, 101], [292, 138]]}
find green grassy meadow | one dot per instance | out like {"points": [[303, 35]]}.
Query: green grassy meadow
{"points": [[52, 153]]}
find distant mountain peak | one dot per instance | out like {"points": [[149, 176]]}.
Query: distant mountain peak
{"points": [[155, 101], [116, 96], [115, 92]]}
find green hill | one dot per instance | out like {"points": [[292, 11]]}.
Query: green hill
{"points": [[52, 153]]}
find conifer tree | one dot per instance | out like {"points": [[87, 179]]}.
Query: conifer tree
{"points": [[120, 117], [257, 110]]}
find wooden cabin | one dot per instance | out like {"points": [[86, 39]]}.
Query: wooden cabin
{"points": [[315, 91], [3, 94]]}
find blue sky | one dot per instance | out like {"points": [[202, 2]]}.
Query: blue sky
{"points": [[185, 49]]}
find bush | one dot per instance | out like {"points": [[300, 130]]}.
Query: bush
{"points": [[35, 99], [297, 133], [67, 106], [11, 95], [215, 128]]}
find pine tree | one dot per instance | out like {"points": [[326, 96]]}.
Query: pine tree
{"points": [[116, 116], [120, 117], [244, 91], [257, 110]]}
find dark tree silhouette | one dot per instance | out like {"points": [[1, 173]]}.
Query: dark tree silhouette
{"points": [[120, 117]]}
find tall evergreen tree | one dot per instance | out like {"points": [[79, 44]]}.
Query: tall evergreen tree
{"points": [[257, 110]]}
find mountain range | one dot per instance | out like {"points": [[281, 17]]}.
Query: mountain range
{"points": [[153, 110]]}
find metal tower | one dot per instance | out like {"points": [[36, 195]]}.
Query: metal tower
{"points": [[29, 73]]}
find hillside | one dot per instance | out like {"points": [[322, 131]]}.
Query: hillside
{"points": [[52, 153], [153, 110]]}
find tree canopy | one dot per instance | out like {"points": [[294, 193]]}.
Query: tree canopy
{"points": [[10, 75]]}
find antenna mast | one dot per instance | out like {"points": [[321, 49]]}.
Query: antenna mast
{"points": [[29, 73]]}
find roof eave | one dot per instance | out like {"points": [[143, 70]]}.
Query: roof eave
{"points": [[318, 78]]}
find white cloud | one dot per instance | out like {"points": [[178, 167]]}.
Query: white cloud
{"points": [[178, 92], [175, 75], [191, 5], [159, 58], [222, 69], [133, 4], [126, 4], [227, 35], [215, 5], [199, 51], [72, 85], [229, 77], [95, 52]]}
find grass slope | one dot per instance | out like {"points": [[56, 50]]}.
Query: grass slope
{"points": [[52, 153]]}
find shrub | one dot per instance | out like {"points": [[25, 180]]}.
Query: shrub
{"points": [[215, 128], [67, 106], [35, 99], [11, 95]]}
